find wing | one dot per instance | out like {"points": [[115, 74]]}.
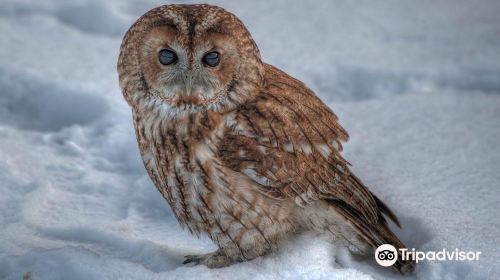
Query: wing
{"points": [[289, 142]]}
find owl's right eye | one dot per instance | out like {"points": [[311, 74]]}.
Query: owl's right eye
{"points": [[167, 57]]}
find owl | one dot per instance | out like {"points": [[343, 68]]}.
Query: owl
{"points": [[241, 151]]}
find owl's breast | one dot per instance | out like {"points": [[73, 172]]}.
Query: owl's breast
{"points": [[180, 162], [205, 195]]}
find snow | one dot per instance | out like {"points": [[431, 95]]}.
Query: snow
{"points": [[416, 84]]}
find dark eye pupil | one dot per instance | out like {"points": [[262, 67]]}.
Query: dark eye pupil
{"points": [[167, 57], [211, 59]]}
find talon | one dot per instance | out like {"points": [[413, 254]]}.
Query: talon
{"points": [[192, 259], [211, 260]]}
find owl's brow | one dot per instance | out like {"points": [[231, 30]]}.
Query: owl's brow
{"points": [[165, 22], [218, 29]]}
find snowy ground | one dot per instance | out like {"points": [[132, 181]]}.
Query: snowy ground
{"points": [[416, 83]]}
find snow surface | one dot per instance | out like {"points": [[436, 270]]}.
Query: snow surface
{"points": [[416, 83]]}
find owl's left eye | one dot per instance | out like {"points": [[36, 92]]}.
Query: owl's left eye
{"points": [[167, 57], [211, 59]]}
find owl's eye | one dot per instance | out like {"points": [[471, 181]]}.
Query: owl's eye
{"points": [[211, 59], [167, 57]]}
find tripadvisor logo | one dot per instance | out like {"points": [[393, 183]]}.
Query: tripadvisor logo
{"points": [[387, 255]]}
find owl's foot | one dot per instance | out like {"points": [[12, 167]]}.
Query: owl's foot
{"points": [[211, 260]]}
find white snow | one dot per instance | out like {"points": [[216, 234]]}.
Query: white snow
{"points": [[416, 84]]}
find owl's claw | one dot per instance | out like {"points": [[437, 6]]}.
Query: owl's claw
{"points": [[195, 259], [212, 260]]}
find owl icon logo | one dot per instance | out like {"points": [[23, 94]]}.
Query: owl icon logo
{"points": [[386, 255]]}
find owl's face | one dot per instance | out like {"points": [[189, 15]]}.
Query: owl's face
{"points": [[186, 70], [189, 58]]}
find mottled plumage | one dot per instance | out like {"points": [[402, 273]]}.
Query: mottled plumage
{"points": [[241, 151]]}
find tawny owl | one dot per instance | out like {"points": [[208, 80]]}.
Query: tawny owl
{"points": [[240, 150]]}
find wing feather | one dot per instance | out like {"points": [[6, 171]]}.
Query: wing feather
{"points": [[289, 142]]}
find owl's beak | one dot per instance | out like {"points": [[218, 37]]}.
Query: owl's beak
{"points": [[188, 82], [189, 95]]}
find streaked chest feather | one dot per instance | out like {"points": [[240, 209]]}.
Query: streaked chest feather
{"points": [[204, 194], [179, 156]]}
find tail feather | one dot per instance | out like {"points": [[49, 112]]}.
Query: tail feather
{"points": [[375, 234], [386, 211]]}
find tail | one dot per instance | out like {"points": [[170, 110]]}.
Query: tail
{"points": [[375, 234]]}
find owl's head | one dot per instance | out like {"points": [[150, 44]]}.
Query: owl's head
{"points": [[187, 58]]}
